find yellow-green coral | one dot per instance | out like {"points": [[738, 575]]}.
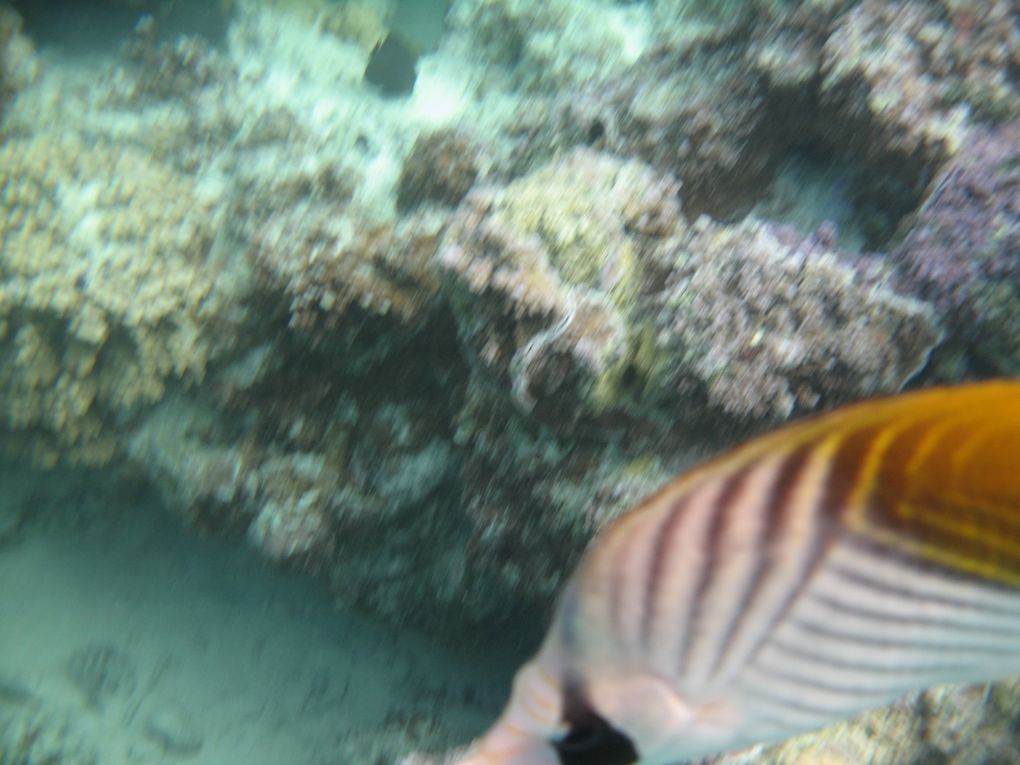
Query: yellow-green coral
{"points": [[106, 292], [572, 236], [580, 209], [627, 377]]}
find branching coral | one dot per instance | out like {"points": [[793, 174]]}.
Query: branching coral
{"points": [[109, 290]]}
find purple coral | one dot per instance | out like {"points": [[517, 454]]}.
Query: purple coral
{"points": [[969, 227], [963, 251]]}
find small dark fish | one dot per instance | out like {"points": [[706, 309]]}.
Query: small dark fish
{"points": [[392, 67]]}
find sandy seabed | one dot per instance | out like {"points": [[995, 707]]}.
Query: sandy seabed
{"points": [[142, 643]]}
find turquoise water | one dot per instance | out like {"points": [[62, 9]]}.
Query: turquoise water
{"points": [[332, 330]]}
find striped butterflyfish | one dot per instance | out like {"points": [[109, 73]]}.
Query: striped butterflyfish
{"points": [[823, 569]]}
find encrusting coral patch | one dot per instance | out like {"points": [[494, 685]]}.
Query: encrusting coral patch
{"points": [[772, 323]]}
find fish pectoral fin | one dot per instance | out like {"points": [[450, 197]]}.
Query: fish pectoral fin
{"points": [[661, 723], [643, 706]]}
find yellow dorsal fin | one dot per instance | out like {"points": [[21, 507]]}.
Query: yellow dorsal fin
{"points": [[934, 473]]}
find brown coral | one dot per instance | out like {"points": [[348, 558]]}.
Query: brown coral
{"points": [[109, 290], [583, 277], [853, 85], [606, 332], [336, 277], [441, 168], [980, 56], [963, 249]]}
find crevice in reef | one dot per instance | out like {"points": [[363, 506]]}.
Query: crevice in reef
{"points": [[830, 169], [811, 190], [861, 205]]}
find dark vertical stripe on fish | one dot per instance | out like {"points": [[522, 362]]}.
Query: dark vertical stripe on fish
{"points": [[891, 481], [775, 507], [659, 559], [846, 470], [846, 473], [721, 509]]}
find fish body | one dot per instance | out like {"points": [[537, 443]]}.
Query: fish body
{"points": [[826, 568]]}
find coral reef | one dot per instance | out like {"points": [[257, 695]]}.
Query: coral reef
{"points": [[426, 346], [110, 290], [171, 70], [874, 69], [546, 271], [868, 88], [339, 276], [529, 487], [581, 289], [574, 305], [541, 47], [322, 464], [983, 53], [963, 250], [333, 475], [694, 115]]}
